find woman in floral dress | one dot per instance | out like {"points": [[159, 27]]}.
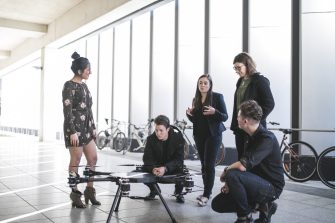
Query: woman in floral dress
{"points": [[79, 127]]}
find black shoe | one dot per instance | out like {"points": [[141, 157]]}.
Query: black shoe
{"points": [[246, 219], [150, 196], [266, 211], [180, 198]]}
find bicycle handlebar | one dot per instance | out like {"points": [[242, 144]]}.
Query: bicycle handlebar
{"points": [[182, 124], [274, 123], [285, 131]]}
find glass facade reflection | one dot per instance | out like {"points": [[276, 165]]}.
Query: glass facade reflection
{"points": [[148, 64]]}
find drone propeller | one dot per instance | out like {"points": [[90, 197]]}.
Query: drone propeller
{"points": [[186, 192], [196, 174], [84, 166], [92, 173], [130, 165]]}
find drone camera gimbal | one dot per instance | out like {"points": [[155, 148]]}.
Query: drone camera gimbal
{"points": [[125, 187], [73, 179], [188, 184]]}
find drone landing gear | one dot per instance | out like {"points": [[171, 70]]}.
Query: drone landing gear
{"points": [[119, 194], [116, 203], [164, 203]]}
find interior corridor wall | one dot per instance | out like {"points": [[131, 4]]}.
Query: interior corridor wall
{"points": [[20, 102]]}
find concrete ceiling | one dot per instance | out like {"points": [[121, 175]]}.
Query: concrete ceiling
{"points": [[21, 20]]}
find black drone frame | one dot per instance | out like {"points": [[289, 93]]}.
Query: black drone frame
{"points": [[123, 181]]}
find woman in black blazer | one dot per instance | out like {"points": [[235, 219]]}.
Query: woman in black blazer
{"points": [[250, 86], [207, 114]]}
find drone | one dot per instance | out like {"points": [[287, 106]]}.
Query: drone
{"points": [[124, 179]]}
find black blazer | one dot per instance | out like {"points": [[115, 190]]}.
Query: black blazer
{"points": [[153, 152], [258, 90], [215, 124]]}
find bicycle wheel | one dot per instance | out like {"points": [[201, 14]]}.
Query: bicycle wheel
{"points": [[119, 142], [325, 167], [127, 145], [299, 161], [101, 140], [220, 155]]}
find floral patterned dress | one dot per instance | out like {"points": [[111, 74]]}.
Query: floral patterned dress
{"points": [[78, 117]]}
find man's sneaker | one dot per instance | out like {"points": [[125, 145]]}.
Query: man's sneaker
{"points": [[266, 211], [150, 196], [180, 198], [203, 201], [246, 219]]}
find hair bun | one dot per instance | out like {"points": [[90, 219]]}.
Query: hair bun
{"points": [[75, 55]]}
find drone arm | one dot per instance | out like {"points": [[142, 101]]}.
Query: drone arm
{"points": [[97, 173], [100, 179], [73, 181]]}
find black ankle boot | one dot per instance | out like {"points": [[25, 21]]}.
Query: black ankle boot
{"points": [[266, 211], [89, 194], [76, 199]]}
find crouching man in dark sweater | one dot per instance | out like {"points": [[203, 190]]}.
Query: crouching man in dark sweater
{"points": [[256, 180], [164, 155]]}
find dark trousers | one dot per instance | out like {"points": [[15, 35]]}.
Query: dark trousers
{"points": [[207, 149], [179, 186], [245, 191]]}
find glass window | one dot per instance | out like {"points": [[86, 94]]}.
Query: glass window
{"points": [[318, 53], [317, 6], [121, 72], [105, 78], [140, 69], [92, 53], [225, 43], [270, 47], [163, 61], [191, 52]]}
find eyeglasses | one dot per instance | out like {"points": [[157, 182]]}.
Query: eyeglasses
{"points": [[238, 67]]}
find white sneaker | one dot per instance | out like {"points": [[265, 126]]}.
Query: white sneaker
{"points": [[199, 197], [203, 201]]}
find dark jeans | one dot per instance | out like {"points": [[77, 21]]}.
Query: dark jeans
{"points": [[245, 191], [207, 150], [179, 186]]}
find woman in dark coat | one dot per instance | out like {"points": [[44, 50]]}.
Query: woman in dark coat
{"points": [[250, 86], [207, 114]]}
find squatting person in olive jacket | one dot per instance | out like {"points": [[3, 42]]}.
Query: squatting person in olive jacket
{"points": [[250, 86]]}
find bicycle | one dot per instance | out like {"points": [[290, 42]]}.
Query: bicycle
{"points": [[190, 149], [299, 158], [325, 166], [112, 136], [138, 136]]}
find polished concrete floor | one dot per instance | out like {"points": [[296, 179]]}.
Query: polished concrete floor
{"points": [[33, 188]]}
